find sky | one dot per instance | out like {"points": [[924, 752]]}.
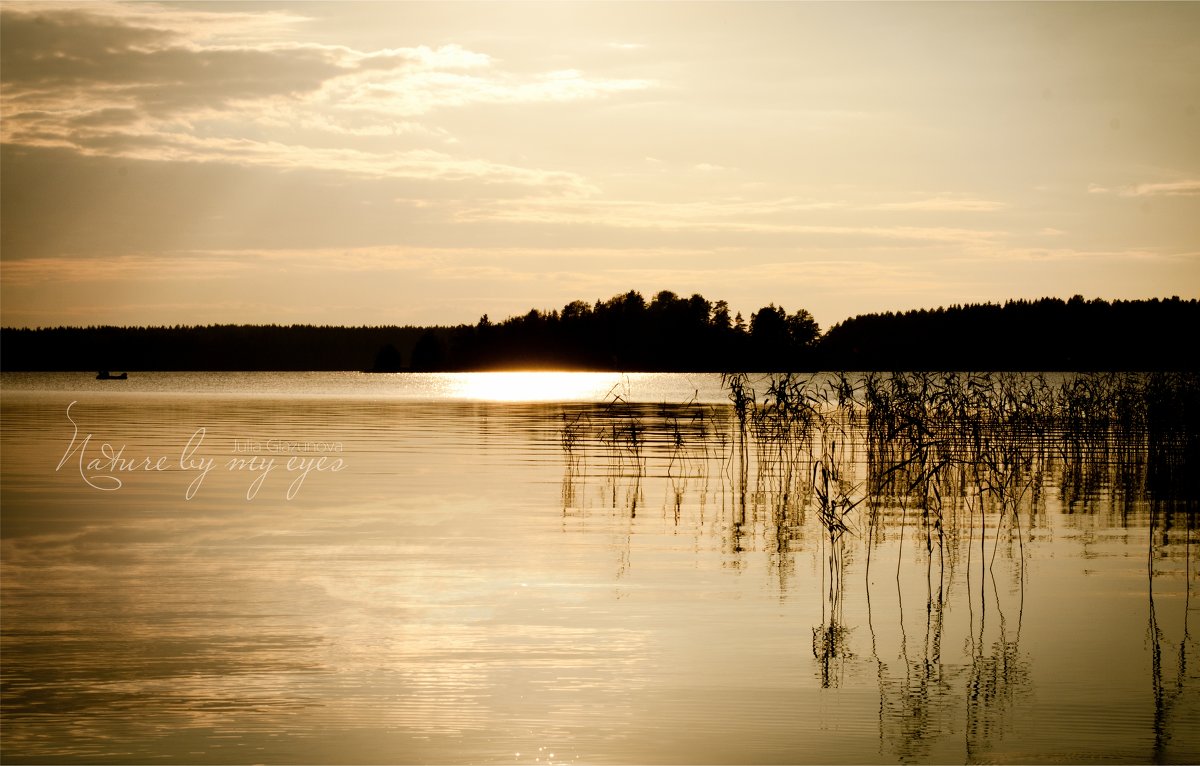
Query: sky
{"points": [[426, 163]]}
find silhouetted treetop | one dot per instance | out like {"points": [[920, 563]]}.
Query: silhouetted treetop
{"points": [[668, 333], [1043, 334]]}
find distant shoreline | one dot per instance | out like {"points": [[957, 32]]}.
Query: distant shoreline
{"points": [[665, 334]]}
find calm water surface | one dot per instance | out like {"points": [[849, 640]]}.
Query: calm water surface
{"points": [[554, 568]]}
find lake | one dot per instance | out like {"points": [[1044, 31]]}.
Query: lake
{"points": [[597, 568]]}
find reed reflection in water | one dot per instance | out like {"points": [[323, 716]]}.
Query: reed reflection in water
{"points": [[938, 474], [925, 568]]}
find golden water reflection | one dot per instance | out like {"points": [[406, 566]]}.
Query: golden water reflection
{"points": [[613, 581], [535, 386]]}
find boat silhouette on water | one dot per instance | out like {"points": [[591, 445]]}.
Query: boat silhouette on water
{"points": [[106, 375]]}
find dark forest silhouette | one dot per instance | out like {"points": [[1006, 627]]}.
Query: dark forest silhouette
{"points": [[666, 333]]}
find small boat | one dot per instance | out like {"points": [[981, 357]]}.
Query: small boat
{"points": [[105, 375]]}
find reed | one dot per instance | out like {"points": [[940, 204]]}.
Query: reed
{"points": [[942, 456], [945, 465]]}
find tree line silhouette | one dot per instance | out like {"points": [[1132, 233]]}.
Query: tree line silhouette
{"points": [[666, 333], [1023, 335]]}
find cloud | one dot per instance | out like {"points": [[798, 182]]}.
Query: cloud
{"points": [[944, 204], [423, 57], [733, 215], [1073, 255], [417, 93], [147, 82], [120, 269], [1184, 188], [104, 118], [420, 164], [1172, 189], [66, 58], [237, 264], [228, 26]]}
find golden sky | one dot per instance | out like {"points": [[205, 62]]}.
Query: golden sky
{"points": [[422, 163]]}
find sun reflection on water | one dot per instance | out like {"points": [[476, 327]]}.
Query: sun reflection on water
{"points": [[535, 386]]}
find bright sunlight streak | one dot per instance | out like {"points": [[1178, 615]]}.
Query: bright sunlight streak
{"points": [[535, 386]]}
